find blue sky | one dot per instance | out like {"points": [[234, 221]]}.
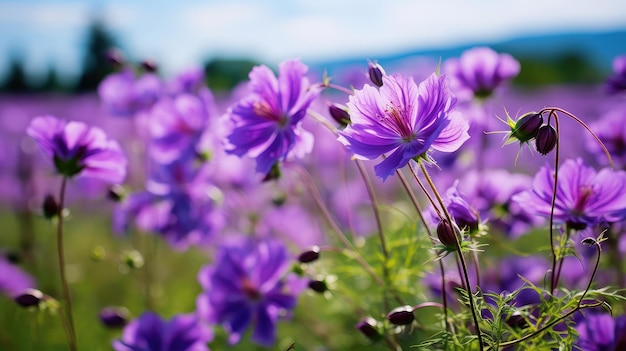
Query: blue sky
{"points": [[182, 33]]}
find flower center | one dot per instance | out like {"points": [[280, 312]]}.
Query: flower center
{"points": [[249, 289], [396, 122], [263, 110], [585, 192]]}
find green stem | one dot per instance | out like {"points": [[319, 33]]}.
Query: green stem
{"points": [[418, 209], [460, 255], [553, 280], [61, 255]]}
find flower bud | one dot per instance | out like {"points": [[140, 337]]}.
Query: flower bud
{"points": [[114, 317], [132, 259], [29, 297], [116, 193], [527, 126], [50, 207], [516, 320], [274, 173], [546, 139], [448, 234], [114, 57], [149, 66], [318, 286], [402, 315], [310, 255], [368, 327], [339, 114], [376, 73]]}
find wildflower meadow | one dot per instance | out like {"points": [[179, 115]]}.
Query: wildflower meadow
{"points": [[430, 207]]}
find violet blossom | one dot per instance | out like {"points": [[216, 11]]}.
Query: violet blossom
{"points": [[584, 197], [13, 280], [79, 150], [267, 122], [246, 286], [403, 121], [616, 83], [124, 95], [601, 332], [150, 332], [479, 71]]}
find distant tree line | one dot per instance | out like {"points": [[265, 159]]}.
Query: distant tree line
{"points": [[224, 73]]}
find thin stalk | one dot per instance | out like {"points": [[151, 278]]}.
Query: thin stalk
{"points": [[334, 226], [379, 226], [61, 256], [579, 121], [553, 202], [460, 255], [579, 305], [418, 209]]}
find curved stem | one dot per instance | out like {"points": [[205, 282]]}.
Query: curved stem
{"points": [[418, 209], [460, 255], [579, 121], [61, 256], [553, 281], [335, 227]]}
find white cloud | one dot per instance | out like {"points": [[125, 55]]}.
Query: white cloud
{"points": [[47, 16]]}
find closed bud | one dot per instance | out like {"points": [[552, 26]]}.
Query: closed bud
{"points": [[273, 174], [376, 73], [447, 233], [527, 126], [29, 298], [132, 259], [114, 317], [115, 57], [546, 139], [149, 66], [368, 327], [516, 320], [116, 193], [339, 114], [318, 286], [50, 207], [402, 315], [310, 255]]}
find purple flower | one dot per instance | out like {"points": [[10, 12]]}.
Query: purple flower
{"points": [[13, 280], [465, 216], [611, 130], [175, 126], [267, 121], [490, 193], [479, 71], [79, 150], [583, 196], [124, 95], [617, 82], [404, 120], [244, 286], [601, 332], [151, 333]]}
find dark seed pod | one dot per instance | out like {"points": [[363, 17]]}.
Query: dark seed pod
{"points": [[29, 297], [546, 139], [402, 315], [114, 317], [448, 233], [339, 114], [149, 66], [376, 73], [310, 255], [367, 326], [318, 286], [527, 126], [50, 207]]}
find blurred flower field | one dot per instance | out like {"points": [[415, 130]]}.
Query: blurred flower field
{"points": [[432, 207]]}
